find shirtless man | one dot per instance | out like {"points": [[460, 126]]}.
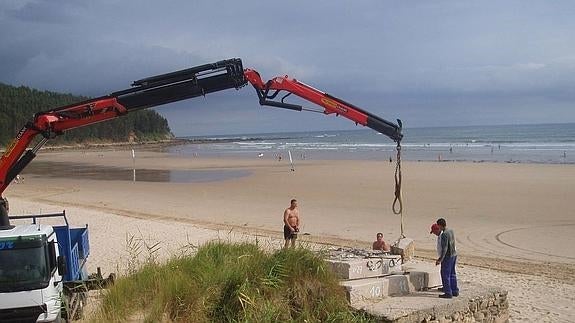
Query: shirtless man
{"points": [[381, 244], [291, 224]]}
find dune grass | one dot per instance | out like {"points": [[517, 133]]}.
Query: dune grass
{"points": [[231, 282]]}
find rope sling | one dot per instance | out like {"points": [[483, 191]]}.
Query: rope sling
{"points": [[398, 202]]}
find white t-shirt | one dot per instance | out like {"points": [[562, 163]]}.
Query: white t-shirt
{"points": [[439, 244]]}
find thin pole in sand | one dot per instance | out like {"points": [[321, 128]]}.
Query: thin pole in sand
{"points": [[291, 161], [134, 165]]}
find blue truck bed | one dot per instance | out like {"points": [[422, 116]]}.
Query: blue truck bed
{"points": [[73, 243]]}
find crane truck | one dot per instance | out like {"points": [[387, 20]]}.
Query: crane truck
{"points": [[43, 276]]}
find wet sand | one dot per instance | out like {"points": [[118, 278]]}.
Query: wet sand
{"points": [[516, 218]]}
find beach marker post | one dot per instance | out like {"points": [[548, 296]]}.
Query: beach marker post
{"points": [[291, 161], [134, 165]]}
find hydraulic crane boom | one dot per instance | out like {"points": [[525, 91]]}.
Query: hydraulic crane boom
{"points": [[329, 103], [167, 88], [145, 93]]}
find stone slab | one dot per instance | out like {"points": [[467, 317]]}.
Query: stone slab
{"points": [[424, 275], [404, 247], [355, 268], [418, 278], [398, 285], [365, 289], [380, 287]]}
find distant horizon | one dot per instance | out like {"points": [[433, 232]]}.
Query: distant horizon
{"points": [[364, 128], [532, 143]]}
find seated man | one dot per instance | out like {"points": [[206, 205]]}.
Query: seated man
{"points": [[380, 244]]}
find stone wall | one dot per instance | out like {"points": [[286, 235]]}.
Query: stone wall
{"points": [[489, 306]]}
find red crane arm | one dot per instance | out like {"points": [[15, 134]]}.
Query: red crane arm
{"points": [[145, 93], [330, 103], [51, 124]]}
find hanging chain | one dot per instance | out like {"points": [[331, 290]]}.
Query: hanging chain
{"points": [[398, 202]]}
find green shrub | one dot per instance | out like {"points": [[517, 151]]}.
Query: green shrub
{"points": [[226, 282]]}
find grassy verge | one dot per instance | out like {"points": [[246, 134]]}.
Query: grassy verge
{"points": [[226, 282]]}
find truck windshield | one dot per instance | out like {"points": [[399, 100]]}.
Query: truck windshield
{"points": [[23, 269]]}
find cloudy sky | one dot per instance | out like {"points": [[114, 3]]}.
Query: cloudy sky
{"points": [[429, 63]]}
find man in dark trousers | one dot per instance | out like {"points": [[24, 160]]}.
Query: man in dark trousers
{"points": [[447, 259]]}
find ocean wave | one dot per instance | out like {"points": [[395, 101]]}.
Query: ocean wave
{"points": [[244, 143], [389, 146]]}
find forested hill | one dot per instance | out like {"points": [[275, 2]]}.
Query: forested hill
{"points": [[19, 104]]}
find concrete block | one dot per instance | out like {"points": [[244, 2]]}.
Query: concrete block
{"points": [[424, 275], [434, 279], [375, 288], [359, 290], [423, 280], [405, 247], [365, 289], [398, 285], [355, 268], [418, 280]]}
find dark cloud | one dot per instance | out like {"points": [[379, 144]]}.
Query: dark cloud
{"points": [[429, 63], [46, 11]]}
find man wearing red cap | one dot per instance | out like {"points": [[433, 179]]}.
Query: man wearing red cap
{"points": [[447, 259]]}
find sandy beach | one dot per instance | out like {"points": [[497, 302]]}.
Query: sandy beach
{"points": [[514, 222]]}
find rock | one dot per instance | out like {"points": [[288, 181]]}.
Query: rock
{"points": [[405, 248]]}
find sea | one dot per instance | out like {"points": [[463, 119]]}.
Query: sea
{"points": [[535, 143]]}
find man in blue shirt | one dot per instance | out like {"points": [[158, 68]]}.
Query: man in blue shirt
{"points": [[447, 259]]}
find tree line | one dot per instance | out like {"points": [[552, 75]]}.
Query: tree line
{"points": [[19, 104]]}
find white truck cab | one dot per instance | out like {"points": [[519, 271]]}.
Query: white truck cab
{"points": [[31, 283], [43, 275]]}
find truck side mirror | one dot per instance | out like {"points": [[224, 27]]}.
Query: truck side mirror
{"points": [[52, 256], [62, 270]]}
